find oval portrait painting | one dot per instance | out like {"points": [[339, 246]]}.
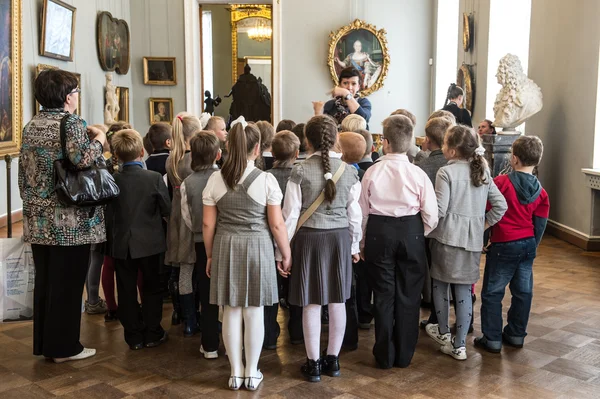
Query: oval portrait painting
{"points": [[363, 47]]}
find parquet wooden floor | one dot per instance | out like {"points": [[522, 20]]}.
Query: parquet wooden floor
{"points": [[561, 358]]}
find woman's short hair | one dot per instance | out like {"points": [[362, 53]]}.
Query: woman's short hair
{"points": [[127, 145], [52, 87], [348, 73], [353, 123], [398, 131]]}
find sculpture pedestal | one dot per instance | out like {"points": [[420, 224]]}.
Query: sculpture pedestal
{"points": [[497, 151]]}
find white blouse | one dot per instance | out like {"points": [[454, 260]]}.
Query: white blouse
{"points": [[263, 190]]}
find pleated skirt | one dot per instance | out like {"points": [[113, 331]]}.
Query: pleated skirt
{"points": [[454, 265], [321, 267], [243, 271]]}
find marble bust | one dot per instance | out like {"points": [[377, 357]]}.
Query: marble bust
{"points": [[519, 99], [111, 109]]}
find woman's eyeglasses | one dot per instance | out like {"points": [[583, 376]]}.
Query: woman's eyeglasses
{"points": [[76, 90]]}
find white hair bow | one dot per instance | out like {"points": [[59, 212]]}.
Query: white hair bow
{"points": [[479, 151], [241, 120]]}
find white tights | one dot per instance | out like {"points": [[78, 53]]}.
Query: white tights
{"points": [[234, 318], [311, 325]]}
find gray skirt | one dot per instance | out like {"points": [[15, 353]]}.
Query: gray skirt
{"points": [[321, 267], [453, 265], [243, 271]]}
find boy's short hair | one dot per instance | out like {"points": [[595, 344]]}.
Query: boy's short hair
{"points": [[285, 124], [159, 133], [213, 121], [442, 113], [298, 130], [407, 113], [353, 123], [529, 150], [204, 146], [284, 147], [127, 145], [368, 139], [435, 129], [398, 131], [353, 146]]}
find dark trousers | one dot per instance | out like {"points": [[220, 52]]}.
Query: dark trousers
{"points": [[141, 325], [395, 255], [210, 313], [295, 323], [364, 293], [60, 274], [272, 328], [351, 333]]}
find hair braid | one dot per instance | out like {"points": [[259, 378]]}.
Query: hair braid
{"points": [[327, 142]]}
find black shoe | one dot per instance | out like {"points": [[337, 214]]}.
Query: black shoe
{"points": [[190, 327], [481, 342], [311, 370], [174, 292], [330, 365], [161, 341], [111, 315], [137, 347]]}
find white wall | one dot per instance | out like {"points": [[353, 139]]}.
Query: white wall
{"points": [[85, 62], [563, 61], [156, 31], [306, 26]]}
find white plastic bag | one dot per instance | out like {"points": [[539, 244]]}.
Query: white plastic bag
{"points": [[17, 275]]}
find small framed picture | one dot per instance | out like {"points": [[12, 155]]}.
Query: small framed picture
{"points": [[123, 96], [161, 110], [58, 30], [160, 71], [43, 67]]}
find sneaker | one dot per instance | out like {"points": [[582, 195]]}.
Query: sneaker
{"points": [[209, 355], [98, 308], [434, 333], [457, 353], [84, 354]]}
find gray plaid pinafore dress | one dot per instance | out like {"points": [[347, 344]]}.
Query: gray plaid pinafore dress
{"points": [[243, 269]]}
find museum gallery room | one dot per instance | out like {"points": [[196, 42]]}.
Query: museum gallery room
{"points": [[300, 199]]}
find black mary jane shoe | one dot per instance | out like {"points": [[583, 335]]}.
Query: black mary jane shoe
{"points": [[311, 370], [136, 347], [161, 341], [330, 365]]}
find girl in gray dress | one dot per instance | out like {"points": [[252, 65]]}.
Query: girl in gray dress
{"points": [[242, 215], [463, 188]]}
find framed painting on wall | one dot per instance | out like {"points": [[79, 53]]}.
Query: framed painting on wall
{"points": [[43, 67], [113, 43], [160, 71], [123, 96], [10, 77], [161, 110], [364, 47], [57, 39]]}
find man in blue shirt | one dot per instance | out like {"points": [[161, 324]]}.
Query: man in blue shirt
{"points": [[345, 98]]}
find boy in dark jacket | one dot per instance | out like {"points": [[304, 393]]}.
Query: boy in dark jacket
{"points": [[514, 241], [137, 242]]}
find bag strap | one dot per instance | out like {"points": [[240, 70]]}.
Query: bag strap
{"points": [[313, 207], [63, 136]]}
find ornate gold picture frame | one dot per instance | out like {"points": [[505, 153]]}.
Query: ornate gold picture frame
{"points": [[10, 78], [363, 46], [240, 12], [467, 31], [112, 36], [161, 110], [160, 71], [464, 79], [43, 67], [57, 37]]}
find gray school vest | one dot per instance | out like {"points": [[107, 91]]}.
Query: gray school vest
{"points": [[194, 186]]}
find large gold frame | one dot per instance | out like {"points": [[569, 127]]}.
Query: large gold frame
{"points": [[238, 13], [147, 80], [464, 79], [14, 64], [467, 31], [380, 34]]}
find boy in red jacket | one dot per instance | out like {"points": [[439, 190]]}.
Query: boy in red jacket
{"points": [[514, 241]]}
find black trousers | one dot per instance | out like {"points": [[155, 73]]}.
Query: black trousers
{"points": [[351, 333], [395, 255], [60, 274], [272, 328], [210, 313], [141, 325], [364, 293]]}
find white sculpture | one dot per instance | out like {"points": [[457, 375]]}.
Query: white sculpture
{"points": [[111, 109], [519, 99]]}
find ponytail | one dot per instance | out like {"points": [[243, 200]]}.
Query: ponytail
{"points": [[321, 133], [478, 166], [453, 92], [241, 143], [466, 142], [184, 126]]}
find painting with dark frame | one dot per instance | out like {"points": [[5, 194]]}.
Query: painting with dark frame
{"points": [[113, 43], [10, 77], [160, 71], [57, 36]]}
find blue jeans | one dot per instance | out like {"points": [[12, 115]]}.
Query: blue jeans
{"points": [[508, 263]]}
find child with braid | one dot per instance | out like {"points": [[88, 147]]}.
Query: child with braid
{"points": [[323, 216]]}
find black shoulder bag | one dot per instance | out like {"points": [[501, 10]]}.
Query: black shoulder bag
{"points": [[82, 187]]}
